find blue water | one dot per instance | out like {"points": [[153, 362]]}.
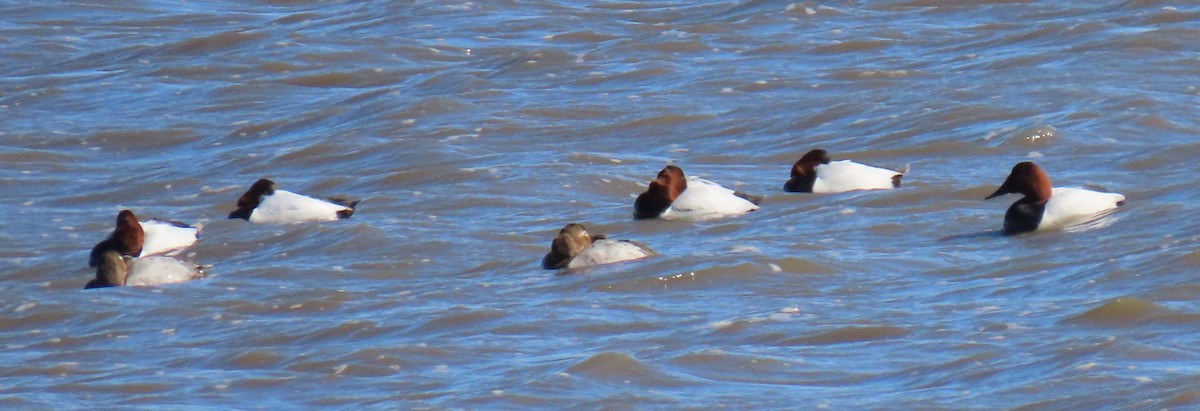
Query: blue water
{"points": [[472, 132]]}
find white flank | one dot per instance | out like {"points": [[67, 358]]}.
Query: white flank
{"points": [[704, 198], [845, 175], [1070, 205], [609, 251], [286, 207], [166, 238], [156, 270]]}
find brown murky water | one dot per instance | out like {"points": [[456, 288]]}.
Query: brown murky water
{"points": [[474, 131]]}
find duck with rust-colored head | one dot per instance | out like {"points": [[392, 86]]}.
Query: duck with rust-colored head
{"points": [[673, 195], [265, 204], [1044, 207], [816, 173], [136, 238]]}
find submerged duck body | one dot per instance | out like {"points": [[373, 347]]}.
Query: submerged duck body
{"points": [[116, 270], [574, 247], [1045, 207], [264, 204], [816, 173], [673, 195]]}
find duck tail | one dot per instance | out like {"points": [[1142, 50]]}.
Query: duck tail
{"points": [[749, 197]]}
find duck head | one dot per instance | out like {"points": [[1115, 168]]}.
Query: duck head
{"points": [[572, 239], [804, 172], [111, 271], [663, 191], [250, 200], [1028, 180]]}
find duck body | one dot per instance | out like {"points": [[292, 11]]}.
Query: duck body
{"points": [[286, 207], [116, 270], [1070, 205], [167, 237], [672, 195], [816, 173], [574, 247], [155, 270], [264, 204], [1043, 207], [704, 198], [143, 238], [605, 251]]}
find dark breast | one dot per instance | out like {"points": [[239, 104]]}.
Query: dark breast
{"points": [[649, 205], [800, 184], [1023, 216]]}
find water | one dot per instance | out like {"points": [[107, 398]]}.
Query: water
{"points": [[474, 131]]}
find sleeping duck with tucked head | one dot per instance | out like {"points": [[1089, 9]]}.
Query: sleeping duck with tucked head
{"points": [[673, 195], [116, 270], [263, 203], [574, 247]]}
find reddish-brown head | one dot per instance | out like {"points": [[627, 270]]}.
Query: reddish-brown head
{"points": [[128, 236], [250, 200], [804, 172], [1026, 179], [662, 192], [807, 165], [673, 180]]}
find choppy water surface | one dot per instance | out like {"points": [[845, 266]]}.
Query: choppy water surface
{"points": [[474, 131]]}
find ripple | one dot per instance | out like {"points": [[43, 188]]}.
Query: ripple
{"points": [[621, 369], [1120, 312], [214, 43], [463, 318], [474, 130], [848, 335]]}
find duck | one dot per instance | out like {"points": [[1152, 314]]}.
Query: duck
{"points": [[815, 173], [1045, 207], [135, 238], [574, 247], [126, 239], [673, 195], [114, 270], [264, 204]]}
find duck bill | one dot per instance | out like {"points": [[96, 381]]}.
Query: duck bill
{"points": [[999, 192]]}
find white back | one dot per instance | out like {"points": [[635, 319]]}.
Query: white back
{"points": [[1070, 205], [286, 207], [845, 175], [166, 238], [609, 251], [156, 270], [704, 198]]}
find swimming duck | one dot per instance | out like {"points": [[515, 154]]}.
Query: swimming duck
{"points": [[144, 238], [815, 173], [1045, 207], [115, 270], [264, 204], [671, 195], [575, 248]]}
